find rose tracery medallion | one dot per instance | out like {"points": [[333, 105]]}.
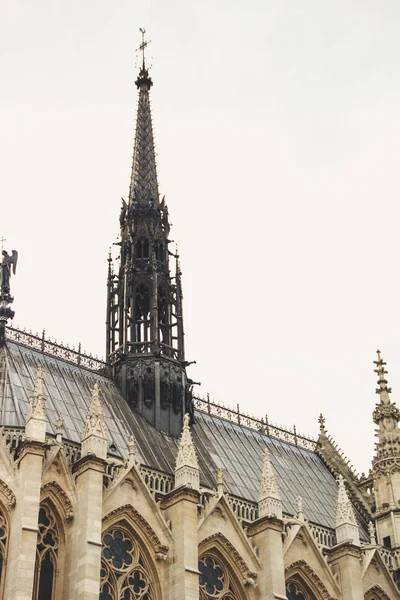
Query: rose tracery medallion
{"points": [[214, 580], [124, 575]]}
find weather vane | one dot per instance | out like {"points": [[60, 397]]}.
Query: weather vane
{"points": [[143, 45]]}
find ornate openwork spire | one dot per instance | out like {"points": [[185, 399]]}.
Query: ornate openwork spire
{"points": [[144, 187], [187, 466], [269, 497], [346, 525], [35, 428], [94, 439]]}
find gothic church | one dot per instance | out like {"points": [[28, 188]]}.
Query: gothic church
{"points": [[117, 483]]}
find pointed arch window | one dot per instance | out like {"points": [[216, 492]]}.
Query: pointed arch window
{"points": [[125, 574], [3, 549], [46, 555], [215, 580], [295, 590], [142, 313]]}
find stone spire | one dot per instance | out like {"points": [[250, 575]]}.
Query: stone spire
{"points": [[386, 415], [143, 187], [187, 466], [94, 439], [346, 525], [269, 497], [35, 428]]}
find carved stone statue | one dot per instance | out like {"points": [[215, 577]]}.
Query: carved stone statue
{"points": [[5, 272]]}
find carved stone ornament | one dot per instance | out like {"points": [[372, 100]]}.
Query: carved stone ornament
{"points": [[306, 572], [220, 541], [55, 492], [376, 592], [345, 511], [187, 451], [7, 494], [130, 513]]}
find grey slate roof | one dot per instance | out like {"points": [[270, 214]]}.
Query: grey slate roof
{"points": [[219, 443]]}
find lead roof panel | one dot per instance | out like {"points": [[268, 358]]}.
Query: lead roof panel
{"points": [[220, 443]]}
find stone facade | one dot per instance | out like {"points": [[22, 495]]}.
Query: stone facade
{"points": [[115, 485]]}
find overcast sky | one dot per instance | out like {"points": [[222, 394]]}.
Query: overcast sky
{"points": [[277, 131]]}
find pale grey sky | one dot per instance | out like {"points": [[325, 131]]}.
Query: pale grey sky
{"points": [[277, 131]]}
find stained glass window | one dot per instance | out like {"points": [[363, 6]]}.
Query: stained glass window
{"points": [[214, 580], [295, 591], [124, 574], [46, 555], [3, 547]]}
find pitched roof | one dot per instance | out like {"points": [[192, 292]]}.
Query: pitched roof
{"points": [[219, 442]]}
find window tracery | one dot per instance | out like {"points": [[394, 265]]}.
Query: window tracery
{"points": [[3, 549], [124, 573], [46, 555], [214, 579]]}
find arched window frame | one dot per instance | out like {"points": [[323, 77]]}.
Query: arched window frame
{"points": [[217, 548], [129, 520], [4, 538], [57, 553], [307, 581]]}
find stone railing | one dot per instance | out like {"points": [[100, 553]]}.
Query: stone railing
{"points": [[244, 509], [156, 481], [390, 557], [46, 346], [261, 425], [322, 535]]}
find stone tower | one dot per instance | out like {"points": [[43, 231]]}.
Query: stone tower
{"points": [[145, 339], [386, 464]]}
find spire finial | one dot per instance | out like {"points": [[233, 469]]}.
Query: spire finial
{"points": [[380, 370], [143, 46], [59, 429], [321, 421], [132, 448]]}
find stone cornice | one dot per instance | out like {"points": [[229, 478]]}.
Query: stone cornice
{"points": [[127, 511], [178, 495], [264, 523], [29, 446], [346, 548], [301, 567], [220, 541], [90, 461], [7, 494]]}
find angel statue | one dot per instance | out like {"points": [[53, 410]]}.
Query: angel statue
{"points": [[5, 271]]}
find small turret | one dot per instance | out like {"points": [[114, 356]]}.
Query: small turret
{"points": [[187, 466], [346, 525], [94, 438], [386, 463], [35, 428], [269, 497]]}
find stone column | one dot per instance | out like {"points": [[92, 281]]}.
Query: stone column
{"points": [[85, 583], [24, 522], [181, 510], [89, 470], [266, 535], [345, 560]]}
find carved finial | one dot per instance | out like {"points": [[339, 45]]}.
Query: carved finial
{"points": [[300, 508], [187, 467], [321, 421], [220, 481], [269, 498], [383, 389], [35, 427], [372, 535], [8, 265], [59, 429], [346, 525], [94, 439]]}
